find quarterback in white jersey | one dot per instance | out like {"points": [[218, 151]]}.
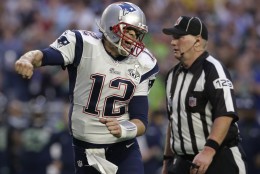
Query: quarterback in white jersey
{"points": [[102, 86], [110, 75]]}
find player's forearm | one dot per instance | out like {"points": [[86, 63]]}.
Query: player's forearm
{"points": [[167, 148], [168, 153], [140, 127], [220, 128], [217, 135], [34, 57], [26, 64]]}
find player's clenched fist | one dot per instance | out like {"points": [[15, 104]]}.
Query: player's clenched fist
{"points": [[112, 125], [25, 65]]}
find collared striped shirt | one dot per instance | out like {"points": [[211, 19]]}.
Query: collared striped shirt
{"points": [[195, 97]]}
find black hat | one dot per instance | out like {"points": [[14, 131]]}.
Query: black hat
{"points": [[188, 25]]}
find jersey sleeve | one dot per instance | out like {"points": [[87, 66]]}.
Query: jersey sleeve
{"points": [[65, 44], [221, 92], [168, 86], [149, 71]]}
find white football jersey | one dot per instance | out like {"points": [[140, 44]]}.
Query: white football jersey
{"points": [[99, 85]]}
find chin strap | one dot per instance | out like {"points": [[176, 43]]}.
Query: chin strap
{"points": [[120, 49]]}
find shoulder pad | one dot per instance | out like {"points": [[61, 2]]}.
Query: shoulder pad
{"points": [[66, 38], [146, 59], [91, 37], [149, 65]]}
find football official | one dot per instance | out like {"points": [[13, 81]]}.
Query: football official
{"points": [[203, 135], [110, 76]]}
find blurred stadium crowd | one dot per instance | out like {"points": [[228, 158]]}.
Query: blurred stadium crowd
{"points": [[34, 137]]}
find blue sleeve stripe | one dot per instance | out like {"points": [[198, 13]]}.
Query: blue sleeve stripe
{"points": [[72, 70], [52, 57], [138, 109], [78, 48], [155, 70]]}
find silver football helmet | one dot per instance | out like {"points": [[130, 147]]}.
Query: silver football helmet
{"points": [[119, 17]]}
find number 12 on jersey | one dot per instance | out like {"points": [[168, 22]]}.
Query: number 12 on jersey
{"points": [[111, 102]]}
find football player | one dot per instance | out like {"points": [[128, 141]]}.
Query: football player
{"points": [[110, 75]]}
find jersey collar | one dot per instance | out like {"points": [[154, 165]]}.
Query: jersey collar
{"points": [[118, 58], [198, 62]]}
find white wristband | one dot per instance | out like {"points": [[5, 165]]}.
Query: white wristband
{"points": [[128, 130]]}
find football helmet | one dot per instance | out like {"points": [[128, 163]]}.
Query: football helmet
{"points": [[116, 20]]}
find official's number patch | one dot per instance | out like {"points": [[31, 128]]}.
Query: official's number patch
{"points": [[222, 83]]}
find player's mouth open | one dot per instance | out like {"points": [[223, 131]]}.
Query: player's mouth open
{"points": [[175, 50], [128, 44]]}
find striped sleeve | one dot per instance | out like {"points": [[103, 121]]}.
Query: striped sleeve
{"points": [[220, 89]]}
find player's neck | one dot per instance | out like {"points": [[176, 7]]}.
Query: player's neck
{"points": [[112, 51]]}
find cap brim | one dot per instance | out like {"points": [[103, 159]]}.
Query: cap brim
{"points": [[174, 31]]}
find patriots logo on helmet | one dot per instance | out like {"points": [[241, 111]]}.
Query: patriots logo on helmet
{"points": [[62, 41], [127, 8]]}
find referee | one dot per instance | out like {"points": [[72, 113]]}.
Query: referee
{"points": [[202, 134]]}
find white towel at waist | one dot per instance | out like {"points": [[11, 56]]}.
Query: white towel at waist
{"points": [[97, 159]]}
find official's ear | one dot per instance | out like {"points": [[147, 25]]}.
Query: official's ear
{"points": [[197, 43]]}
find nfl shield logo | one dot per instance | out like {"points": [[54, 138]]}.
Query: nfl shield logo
{"points": [[192, 101], [80, 163]]}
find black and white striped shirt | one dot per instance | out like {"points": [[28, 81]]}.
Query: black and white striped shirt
{"points": [[195, 97]]}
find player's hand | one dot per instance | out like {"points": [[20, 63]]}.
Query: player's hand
{"points": [[203, 160], [112, 125], [24, 67]]}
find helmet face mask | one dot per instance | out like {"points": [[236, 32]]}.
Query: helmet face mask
{"points": [[116, 22], [126, 43]]}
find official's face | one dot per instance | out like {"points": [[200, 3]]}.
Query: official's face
{"points": [[183, 46]]}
